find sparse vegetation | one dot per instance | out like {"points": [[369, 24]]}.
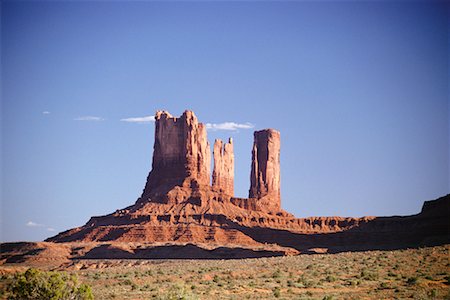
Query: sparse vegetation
{"points": [[276, 292], [413, 273], [36, 284]]}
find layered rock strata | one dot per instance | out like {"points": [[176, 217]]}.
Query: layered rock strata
{"points": [[265, 171], [180, 205], [223, 172], [163, 223]]}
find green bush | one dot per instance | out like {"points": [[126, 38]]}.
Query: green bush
{"points": [[178, 292], [384, 285], [366, 275], [276, 292], [35, 284], [276, 274], [412, 280], [433, 293]]}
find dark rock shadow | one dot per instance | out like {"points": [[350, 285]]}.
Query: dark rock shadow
{"points": [[382, 233], [18, 252], [189, 251]]}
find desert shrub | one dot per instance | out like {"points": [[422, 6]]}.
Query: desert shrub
{"points": [[433, 293], [137, 274], [127, 282], [178, 292], [412, 280], [384, 285], [391, 274], [35, 284], [368, 275], [277, 292], [353, 282], [216, 278], [276, 274], [305, 282]]}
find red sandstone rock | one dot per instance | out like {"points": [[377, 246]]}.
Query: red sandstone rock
{"points": [[265, 172], [181, 158], [179, 198], [223, 172], [178, 204]]}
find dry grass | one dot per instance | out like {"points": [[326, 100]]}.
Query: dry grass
{"points": [[414, 273]]}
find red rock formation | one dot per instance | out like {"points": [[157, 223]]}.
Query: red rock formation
{"points": [[181, 159], [265, 172], [223, 172], [178, 197], [178, 204]]}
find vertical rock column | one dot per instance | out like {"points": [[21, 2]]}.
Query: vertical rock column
{"points": [[196, 149], [265, 172], [181, 156], [223, 172]]}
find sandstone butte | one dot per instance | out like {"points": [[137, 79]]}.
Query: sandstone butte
{"points": [[183, 202]]}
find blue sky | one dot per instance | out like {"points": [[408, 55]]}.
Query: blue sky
{"points": [[359, 92]]}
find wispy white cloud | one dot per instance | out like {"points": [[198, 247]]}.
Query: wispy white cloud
{"points": [[89, 118], [146, 119], [228, 126], [34, 224], [45, 112]]}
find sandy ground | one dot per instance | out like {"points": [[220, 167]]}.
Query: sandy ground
{"points": [[422, 273]]}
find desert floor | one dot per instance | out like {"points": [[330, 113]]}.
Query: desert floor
{"points": [[422, 273]]}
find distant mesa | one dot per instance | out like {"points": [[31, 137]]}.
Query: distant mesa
{"points": [[183, 202]]}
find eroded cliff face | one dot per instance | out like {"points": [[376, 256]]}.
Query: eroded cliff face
{"points": [[181, 166], [218, 223], [265, 171], [223, 172], [181, 159], [178, 192]]}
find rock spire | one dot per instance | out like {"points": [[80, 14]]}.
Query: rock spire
{"points": [[265, 171], [223, 172], [182, 159]]}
